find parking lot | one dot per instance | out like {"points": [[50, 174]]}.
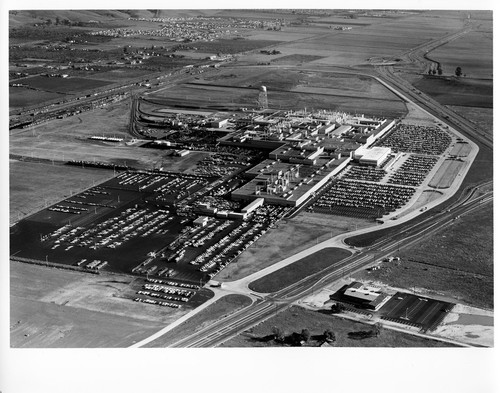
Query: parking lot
{"points": [[142, 223], [361, 199], [416, 311]]}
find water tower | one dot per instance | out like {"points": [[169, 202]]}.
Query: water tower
{"points": [[263, 97]]}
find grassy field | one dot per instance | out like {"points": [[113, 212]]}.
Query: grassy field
{"points": [[60, 308], [226, 305], [291, 236], [290, 274], [483, 117], [32, 184], [373, 38], [66, 139], [20, 97], [472, 52], [458, 91], [446, 174], [64, 85], [297, 318], [457, 262]]}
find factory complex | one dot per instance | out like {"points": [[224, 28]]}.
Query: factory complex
{"points": [[308, 149]]}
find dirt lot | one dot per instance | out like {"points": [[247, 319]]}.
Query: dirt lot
{"points": [[296, 318], [291, 237], [31, 184], [457, 262], [60, 308]]}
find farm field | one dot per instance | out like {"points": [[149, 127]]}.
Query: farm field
{"points": [[31, 184], [483, 117], [457, 262], [224, 306], [64, 85], [472, 52], [459, 92], [290, 237], [297, 318], [20, 97], [377, 38]]}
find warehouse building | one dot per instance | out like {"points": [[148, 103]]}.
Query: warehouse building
{"points": [[357, 294], [374, 156]]}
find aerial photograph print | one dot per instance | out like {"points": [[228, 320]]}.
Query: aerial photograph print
{"points": [[288, 179]]}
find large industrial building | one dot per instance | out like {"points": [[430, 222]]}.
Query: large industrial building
{"points": [[306, 150]]}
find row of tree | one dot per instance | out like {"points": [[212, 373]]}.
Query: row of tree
{"points": [[299, 339], [433, 70]]}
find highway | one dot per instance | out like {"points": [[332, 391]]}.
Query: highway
{"points": [[271, 304], [262, 309]]}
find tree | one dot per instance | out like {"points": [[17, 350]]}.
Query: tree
{"points": [[440, 71], [458, 71], [376, 329], [279, 334], [305, 335], [329, 336], [57, 20]]}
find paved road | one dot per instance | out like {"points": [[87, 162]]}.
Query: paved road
{"points": [[226, 328]]}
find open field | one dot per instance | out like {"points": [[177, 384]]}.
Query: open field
{"points": [[483, 117], [32, 184], [297, 318], [290, 237], [64, 85], [65, 139], [446, 174], [296, 271], [226, 305], [458, 91], [457, 262], [289, 89], [61, 308], [373, 38], [20, 97], [472, 52]]}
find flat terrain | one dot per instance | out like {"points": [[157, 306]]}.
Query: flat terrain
{"points": [[456, 262], [226, 305], [296, 271], [290, 237], [60, 308], [483, 117], [33, 184], [458, 91], [66, 139], [288, 89], [472, 53], [297, 318]]}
